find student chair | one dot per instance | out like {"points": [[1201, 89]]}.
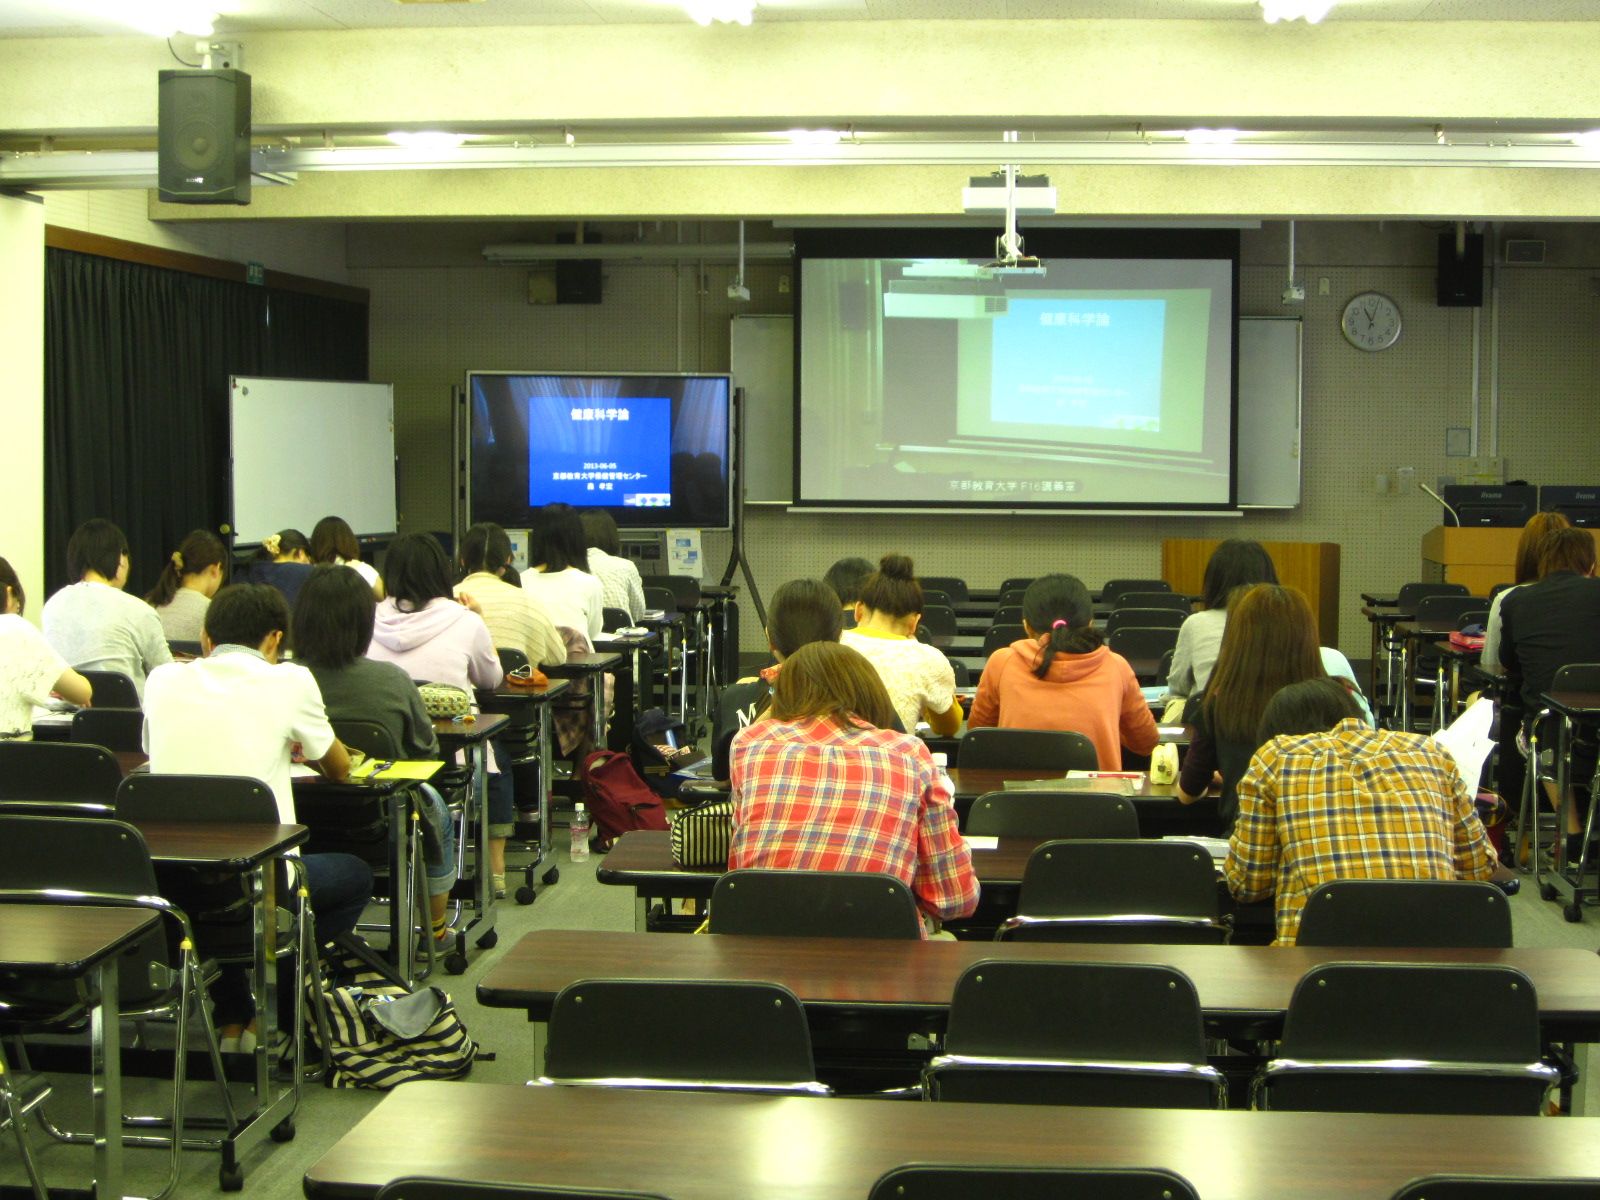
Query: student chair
{"points": [[1406, 912], [1412, 594], [105, 864], [1155, 892], [1497, 1187], [724, 1036], [1030, 1183], [120, 730], [955, 588], [1143, 618], [1017, 583], [938, 626], [935, 596], [685, 590], [68, 778], [1115, 587], [1028, 750], [460, 1189], [613, 619], [1033, 814], [1000, 636], [814, 904], [1124, 1035], [1543, 737], [963, 677], [1170, 600], [1144, 648], [112, 689], [1009, 598], [1452, 608], [1385, 1037], [16, 1099], [186, 649]]}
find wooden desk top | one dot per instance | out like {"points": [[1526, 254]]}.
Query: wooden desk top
{"points": [[584, 664], [699, 1146], [972, 782], [227, 844], [1450, 650], [1573, 704], [1409, 628], [1245, 982], [1385, 616], [65, 940], [465, 733], [609, 642], [507, 696]]}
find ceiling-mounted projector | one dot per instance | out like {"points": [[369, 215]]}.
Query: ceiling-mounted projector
{"points": [[986, 194]]}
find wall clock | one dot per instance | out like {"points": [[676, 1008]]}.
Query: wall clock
{"points": [[1371, 321]]}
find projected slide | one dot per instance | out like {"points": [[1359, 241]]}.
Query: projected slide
{"points": [[619, 452], [1098, 382]]}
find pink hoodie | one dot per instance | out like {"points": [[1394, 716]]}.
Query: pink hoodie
{"points": [[442, 643]]}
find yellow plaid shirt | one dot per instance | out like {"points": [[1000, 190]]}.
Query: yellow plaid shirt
{"points": [[1352, 803]]}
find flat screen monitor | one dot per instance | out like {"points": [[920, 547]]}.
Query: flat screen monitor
{"points": [[1506, 505], [1103, 379], [1580, 505], [652, 450]]}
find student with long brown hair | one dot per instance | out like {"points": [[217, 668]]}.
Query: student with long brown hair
{"points": [[819, 784], [334, 542], [1525, 571], [1270, 642], [188, 580], [918, 677]]}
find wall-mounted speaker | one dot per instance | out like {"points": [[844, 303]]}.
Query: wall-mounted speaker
{"points": [[203, 137], [1461, 276], [578, 280]]}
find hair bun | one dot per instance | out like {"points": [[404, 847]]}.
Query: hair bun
{"points": [[896, 566]]}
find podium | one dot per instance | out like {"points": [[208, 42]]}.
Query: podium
{"points": [[1474, 555], [1312, 568]]}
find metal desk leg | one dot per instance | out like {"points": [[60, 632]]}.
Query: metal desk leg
{"points": [[1405, 684], [482, 924], [545, 766], [402, 878], [597, 708], [1438, 718], [105, 1065]]}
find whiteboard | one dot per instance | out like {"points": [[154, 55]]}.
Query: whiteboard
{"points": [[304, 449], [762, 359]]}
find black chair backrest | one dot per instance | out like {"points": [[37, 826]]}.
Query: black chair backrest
{"points": [[1143, 618], [511, 659], [1017, 583], [1009, 598], [1413, 594], [612, 619], [935, 596], [1053, 815], [955, 588], [1497, 1187], [112, 689], [814, 904], [1142, 642], [1449, 608], [659, 597], [1115, 587], [1106, 879], [1437, 1012], [963, 678], [1577, 677], [685, 590], [188, 649], [1007, 614], [1406, 912], [938, 624], [728, 1032], [1001, 636], [459, 1189], [65, 772], [1155, 600], [1164, 670], [117, 729], [1029, 750], [915, 1182], [199, 798]]}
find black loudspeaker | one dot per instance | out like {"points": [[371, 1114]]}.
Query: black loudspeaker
{"points": [[1461, 278], [203, 137], [577, 279]]}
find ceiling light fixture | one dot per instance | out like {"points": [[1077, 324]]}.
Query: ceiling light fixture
{"points": [[159, 18], [427, 139], [728, 12], [814, 137], [1589, 139], [1309, 11], [1211, 137]]}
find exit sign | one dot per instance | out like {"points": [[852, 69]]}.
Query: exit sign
{"points": [[255, 273]]}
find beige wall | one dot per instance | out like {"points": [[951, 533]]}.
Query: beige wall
{"points": [[22, 392], [1364, 413]]}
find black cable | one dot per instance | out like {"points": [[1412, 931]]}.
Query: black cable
{"points": [[174, 54]]}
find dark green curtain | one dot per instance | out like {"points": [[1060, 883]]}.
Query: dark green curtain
{"points": [[137, 360]]}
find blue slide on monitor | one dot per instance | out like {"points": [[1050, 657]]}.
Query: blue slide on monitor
{"points": [[601, 451]]}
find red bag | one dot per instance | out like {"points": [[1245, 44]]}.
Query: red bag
{"points": [[617, 797]]}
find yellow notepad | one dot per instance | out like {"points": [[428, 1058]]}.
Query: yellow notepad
{"points": [[382, 768]]}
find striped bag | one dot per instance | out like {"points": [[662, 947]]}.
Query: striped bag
{"points": [[381, 1034]]}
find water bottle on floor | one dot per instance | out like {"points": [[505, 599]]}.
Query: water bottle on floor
{"points": [[580, 834]]}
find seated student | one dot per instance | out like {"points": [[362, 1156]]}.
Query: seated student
{"points": [[422, 628], [1062, 676], [1525, 570], [819, 784], [1550, 624], [283, 561], [802, 611], [334, 542], [1270, 642], [620, 584], [186, 584], [93, 623], [30, 670], [1326, 798], [558, 572], [1235, 564], [333, 620], [239, 711], [845, 577], [920, 680]]}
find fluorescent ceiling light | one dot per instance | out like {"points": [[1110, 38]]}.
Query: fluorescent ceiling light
{"points": [[427, 139], [729, 12], [1211, 137], [814, 137], [1309, 11], [159, 18], [1589, 138]]}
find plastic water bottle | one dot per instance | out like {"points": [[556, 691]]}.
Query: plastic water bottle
{"points": [[580, 834], [941, 764]]}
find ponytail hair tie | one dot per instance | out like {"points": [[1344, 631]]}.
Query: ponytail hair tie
{"points": [[272, 542], [177, 560], [1057, 624]]}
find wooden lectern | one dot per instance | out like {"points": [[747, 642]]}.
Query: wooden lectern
{"points": [[1474, 555], [1310, 567]]}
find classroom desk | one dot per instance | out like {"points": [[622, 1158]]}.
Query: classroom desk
{"points": [[510, 702], [1569, 706], [1156, 803], [1453, 661], [591, 667], [1383, 616], [1408, 633], [669, 627], [65, 941], [703, 1146], [633, 694], [473, 737]]}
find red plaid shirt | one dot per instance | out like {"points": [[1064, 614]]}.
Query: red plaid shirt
{"points": [[811, 796]]}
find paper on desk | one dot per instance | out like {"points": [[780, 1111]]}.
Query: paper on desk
{"points": [[384, 769], [1216, 847], [1468, 741], [983, 843]]}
